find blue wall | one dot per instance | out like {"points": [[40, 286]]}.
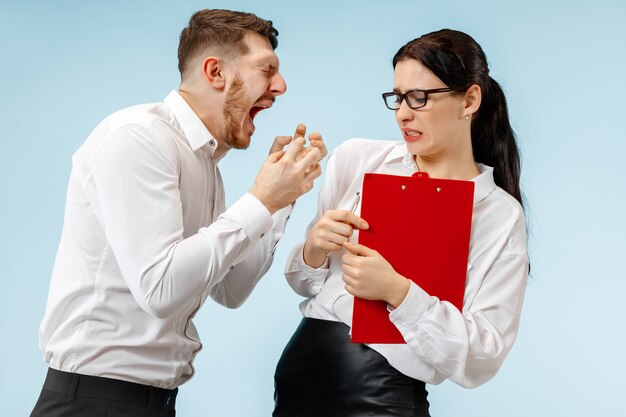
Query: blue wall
{"points": [[65, 65]]}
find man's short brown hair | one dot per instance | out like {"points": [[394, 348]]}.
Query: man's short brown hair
{"points": [[223, 30]]}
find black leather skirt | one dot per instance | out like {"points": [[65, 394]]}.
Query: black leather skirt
{"points": [[321, 373]]}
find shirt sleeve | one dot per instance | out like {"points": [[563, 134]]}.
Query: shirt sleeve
{"points": [[242, 277], [133, 185], [467, 347], [303, 279]]}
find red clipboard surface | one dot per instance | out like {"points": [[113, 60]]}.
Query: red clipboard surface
{"points": [[422, 226]]}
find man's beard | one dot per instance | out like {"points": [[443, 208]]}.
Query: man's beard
{"points": [[234, 114]]}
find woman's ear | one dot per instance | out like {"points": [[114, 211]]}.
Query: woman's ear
{"points": [[214, 72], [473, 97]]}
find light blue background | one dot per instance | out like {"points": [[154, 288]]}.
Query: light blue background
{"points": [[65, 65]]}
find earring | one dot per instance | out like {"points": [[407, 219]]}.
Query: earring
{"points": [[467, 117]]}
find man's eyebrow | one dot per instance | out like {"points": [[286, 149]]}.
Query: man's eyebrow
{"points": [[268, 65], [270, 61]]}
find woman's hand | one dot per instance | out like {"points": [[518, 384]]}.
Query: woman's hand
{"points": [[329, 234], [369, 276]]}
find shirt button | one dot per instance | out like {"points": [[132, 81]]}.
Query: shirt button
{"points": [[231, 267], [168, 401], [212, 142], [262, 234]]}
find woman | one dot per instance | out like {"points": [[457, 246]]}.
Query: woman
{"points": [[454, 121]]}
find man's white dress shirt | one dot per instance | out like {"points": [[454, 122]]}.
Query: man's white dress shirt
{"points": [[146, 239], [467, 347]]}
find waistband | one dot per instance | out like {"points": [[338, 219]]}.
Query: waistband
{"points": [[322, 373], [87, 386]]}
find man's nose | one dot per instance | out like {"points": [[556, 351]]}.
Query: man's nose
{"points": [[278, 85]]}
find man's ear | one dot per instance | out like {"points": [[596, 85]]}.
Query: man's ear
{"points": [[473, 97], [214, 72]]}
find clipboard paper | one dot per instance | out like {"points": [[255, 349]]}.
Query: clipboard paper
{"points": [[421, 226]]}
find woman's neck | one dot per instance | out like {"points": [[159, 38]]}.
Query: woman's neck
{"points": [[459, 168]]}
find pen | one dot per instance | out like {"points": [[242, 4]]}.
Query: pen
{"points": [[355, 201]]}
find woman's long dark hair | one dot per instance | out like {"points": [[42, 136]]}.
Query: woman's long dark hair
{"points": [[457, 60]]}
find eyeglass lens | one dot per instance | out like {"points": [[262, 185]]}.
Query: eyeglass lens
{"points": [[415, 99]]}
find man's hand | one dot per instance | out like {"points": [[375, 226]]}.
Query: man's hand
{"points": [[315, 140], [284, 176], [369, 276], [329, 234]]}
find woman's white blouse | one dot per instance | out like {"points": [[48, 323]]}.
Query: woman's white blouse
{"points": [[467, 347]]}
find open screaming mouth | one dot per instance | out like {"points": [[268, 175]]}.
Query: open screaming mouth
{"points": [[255, 110]]}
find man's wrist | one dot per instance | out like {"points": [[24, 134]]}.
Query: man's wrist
{"points": [[259, 196]]}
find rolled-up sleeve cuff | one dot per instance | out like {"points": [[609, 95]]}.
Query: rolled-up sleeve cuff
{"points": [[314, 277], [411, 310], [318, 274], [252, 215]]}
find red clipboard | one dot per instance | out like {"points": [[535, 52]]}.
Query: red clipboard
{"points": [[422, 226]]}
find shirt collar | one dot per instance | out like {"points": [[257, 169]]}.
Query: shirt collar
{"points": [[398, 152], [483, 183], [195, 131]]}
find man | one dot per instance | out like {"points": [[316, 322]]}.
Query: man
{"points": [[147, 238]]}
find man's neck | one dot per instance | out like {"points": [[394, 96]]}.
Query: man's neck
{"points": [[209, 115]]}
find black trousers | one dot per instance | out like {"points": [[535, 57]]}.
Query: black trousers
{"points": [[67, 394], [321, 373]]}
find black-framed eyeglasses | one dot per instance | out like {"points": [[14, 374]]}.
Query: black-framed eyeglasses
{"points": [[415, 99]]}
